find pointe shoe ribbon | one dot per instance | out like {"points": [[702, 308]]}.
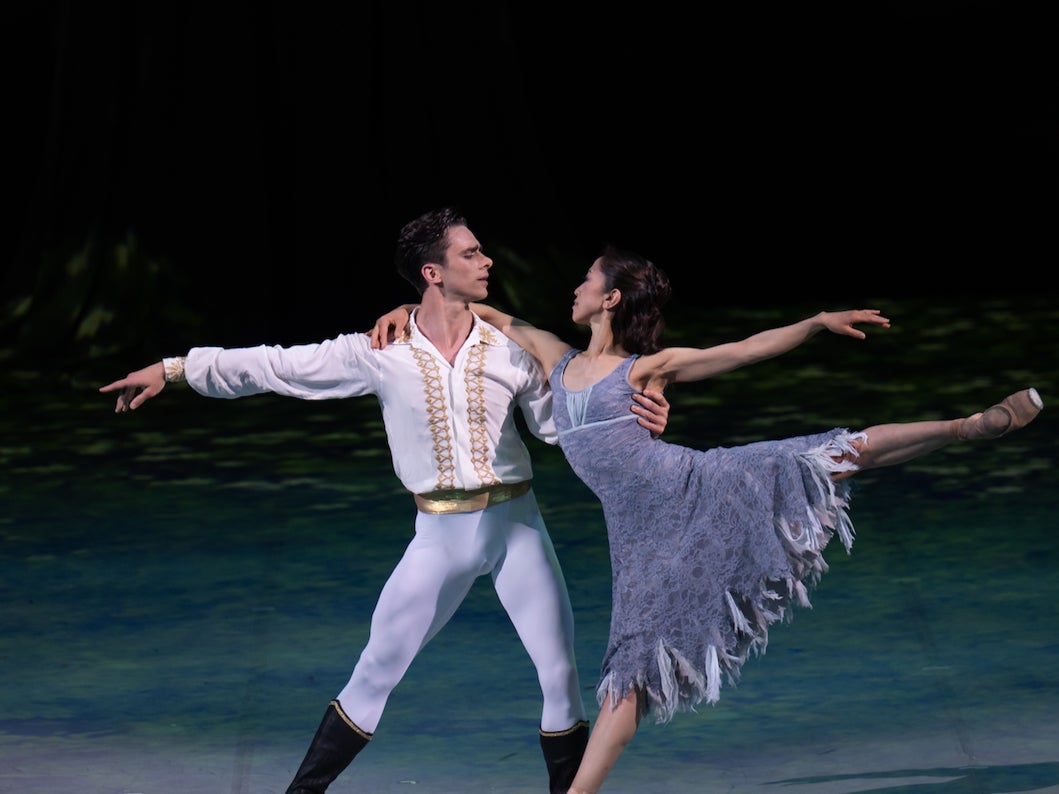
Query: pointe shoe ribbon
{"points": [[1011, 413]]}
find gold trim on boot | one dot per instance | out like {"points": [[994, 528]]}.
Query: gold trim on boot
{"points": [[563, 751], [335, 745]]}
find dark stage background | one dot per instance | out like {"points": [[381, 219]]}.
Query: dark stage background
{"points": [[184, 587], [236, 172]]}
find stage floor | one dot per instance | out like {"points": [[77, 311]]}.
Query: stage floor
{"points": [[185, 588]]}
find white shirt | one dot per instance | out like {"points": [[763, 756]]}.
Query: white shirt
{"points": [[448, 427]]}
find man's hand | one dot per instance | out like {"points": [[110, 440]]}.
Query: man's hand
{"points": [[137, 387], [652, 408], [390, 326]]}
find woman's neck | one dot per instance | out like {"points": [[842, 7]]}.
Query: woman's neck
{"points": [[602, 343]]}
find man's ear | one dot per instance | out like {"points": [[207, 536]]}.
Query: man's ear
{"points": [[431, 273]]}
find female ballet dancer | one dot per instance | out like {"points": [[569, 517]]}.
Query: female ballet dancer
{"points": [[708, 548]]}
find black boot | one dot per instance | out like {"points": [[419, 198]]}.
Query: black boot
{"points": [[336, 742], [563, 751]]}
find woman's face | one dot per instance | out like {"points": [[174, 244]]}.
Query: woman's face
{"points": [[591, 296]]}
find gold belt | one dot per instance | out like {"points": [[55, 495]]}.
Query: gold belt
{"points": [[459, 501]]}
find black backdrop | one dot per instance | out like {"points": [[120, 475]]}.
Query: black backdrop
{"points": [[239, 170]]}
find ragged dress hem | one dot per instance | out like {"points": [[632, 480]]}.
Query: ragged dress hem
{"points": [[685, 684]]}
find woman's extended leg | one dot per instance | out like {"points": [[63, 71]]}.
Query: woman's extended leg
{"points": [[888, 445], [613, 730]]}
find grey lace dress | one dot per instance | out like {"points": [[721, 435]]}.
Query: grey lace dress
{"points": [[708, 548]]}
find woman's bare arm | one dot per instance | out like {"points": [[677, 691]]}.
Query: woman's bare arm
{"points": [[684, 364], [544, 346]]}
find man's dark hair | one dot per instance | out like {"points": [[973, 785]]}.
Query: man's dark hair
{"points": [[424, 240]]}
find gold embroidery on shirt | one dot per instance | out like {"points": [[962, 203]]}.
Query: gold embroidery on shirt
{"points": [[474, 378], [486, 335], [437, 418]]}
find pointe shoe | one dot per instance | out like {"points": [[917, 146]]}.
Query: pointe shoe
{"points": [[1011, 413]]}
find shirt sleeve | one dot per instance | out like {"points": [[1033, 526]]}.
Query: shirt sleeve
{"points": [[535, 402], [339, 367], [174, 369]]}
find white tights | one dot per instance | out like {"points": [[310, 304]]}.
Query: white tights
{"points": [[508, 541]]}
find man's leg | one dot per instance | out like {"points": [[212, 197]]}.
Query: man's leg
{"points": [[563, 751], [336, 743], [423, 592], [531, 587]]}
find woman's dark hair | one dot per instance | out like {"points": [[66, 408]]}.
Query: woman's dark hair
{"points": [[637, 321], [424, 240]]}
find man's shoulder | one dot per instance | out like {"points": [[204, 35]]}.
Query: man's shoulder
{"points": [[361, 340], [489, 335]]}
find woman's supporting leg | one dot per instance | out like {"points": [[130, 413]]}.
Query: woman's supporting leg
{"points": [[614, 729]]}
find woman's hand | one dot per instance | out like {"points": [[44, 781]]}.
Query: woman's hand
{"points": [[843, 323], [390, 326]]}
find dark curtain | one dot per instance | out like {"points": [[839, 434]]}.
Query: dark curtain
{"points": [[236, 172]]}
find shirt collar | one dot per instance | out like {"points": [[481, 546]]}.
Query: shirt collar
{"points": [[481, 334]]}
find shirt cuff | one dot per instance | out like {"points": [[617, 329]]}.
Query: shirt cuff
{"points": [[174, 369]]}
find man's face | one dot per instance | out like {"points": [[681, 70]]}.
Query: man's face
{"points": [[465, 271]]}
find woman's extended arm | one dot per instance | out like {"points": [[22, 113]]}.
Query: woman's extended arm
{"points": [[391, 324], [651, 407], [544, 346], [677, 364]]}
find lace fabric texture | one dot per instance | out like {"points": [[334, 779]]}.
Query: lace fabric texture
{"points": [[709, 548]]}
